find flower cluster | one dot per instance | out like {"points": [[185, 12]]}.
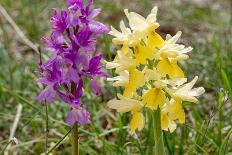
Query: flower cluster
{"points": [[72, 46], [148, 70]]}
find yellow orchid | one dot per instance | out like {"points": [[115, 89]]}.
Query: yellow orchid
{"points": [[137, 122], [186, 93], [147, 65], [171, 49], [141, 25], [121, 80], [124, 37], [171, 68], [136, 80], [175, 110], [166, 123], [123, 62], [153, 98], [125, 104]]}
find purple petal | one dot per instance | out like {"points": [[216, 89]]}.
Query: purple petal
{"points": [[77, 2], [79, 90], [64, 97], [89, 48], [89, 6], [95, 86], [79, 115], [57, 37], [74, 20], [47, 94], [44, 81], [72, 75], [94, 13], [98, 27], [94, 64], [82, 59]]}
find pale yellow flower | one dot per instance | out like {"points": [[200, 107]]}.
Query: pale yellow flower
{"points": [[137, 122], [175, 110], [166, 123], [152, 74], [124, 37], [186, 92], [170, 68], [153, 98], [125, 104], [123, 62], [136, 80], [141, 25], [171, 49], [121, 80]]}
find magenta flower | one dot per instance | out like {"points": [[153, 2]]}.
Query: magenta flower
{"points": [[72, 45]]}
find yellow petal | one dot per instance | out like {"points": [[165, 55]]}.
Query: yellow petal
{"points": [[176, 111], [166, 123], [152, 74], [171, 68], [153, 98], [154, 39], [136, 80], [137, 122], [124, 104], [142, 54]]}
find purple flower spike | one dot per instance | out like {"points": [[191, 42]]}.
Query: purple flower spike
{"points": [[72, 45]]}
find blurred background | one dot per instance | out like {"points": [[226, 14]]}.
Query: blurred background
{"points": [[206, 26]]}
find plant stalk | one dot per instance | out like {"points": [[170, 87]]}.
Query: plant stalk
{"points": [[46, 127], [75, 140], [158, 135]]}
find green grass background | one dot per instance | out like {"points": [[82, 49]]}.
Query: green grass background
{"points": [[206, 25]]}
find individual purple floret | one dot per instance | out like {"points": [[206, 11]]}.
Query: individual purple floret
{"points": [[72, 46]]}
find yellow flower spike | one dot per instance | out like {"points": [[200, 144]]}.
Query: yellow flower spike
{"points": [[137, 122], [171, 68], [153, 98], [136, 80], [161, 76]]}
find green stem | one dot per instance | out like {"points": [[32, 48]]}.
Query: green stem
{"points": [[75, 140], [46, 126], [158, 135]]}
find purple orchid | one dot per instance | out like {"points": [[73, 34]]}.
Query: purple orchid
{"points": [[72, 44]]}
